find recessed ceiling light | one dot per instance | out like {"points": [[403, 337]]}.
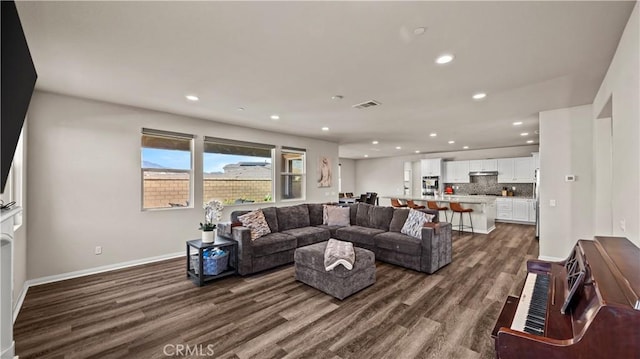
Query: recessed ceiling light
{"points": [[517, 123], [325, 129], [375, 142], [524, 134], [275, 117], [419, 30], [240, 108], [193, 98], [444, 59], [452, 142], [366, 156], [337, 97], [465, 147], [479, 96], [433, 134], [530, 141], [398, 148], [417, 151]]}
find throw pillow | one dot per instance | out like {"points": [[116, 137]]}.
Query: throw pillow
{"points": [[256, 222], [337, 216], [415, 222], [325, 216]]}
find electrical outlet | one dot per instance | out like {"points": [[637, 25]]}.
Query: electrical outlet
{"points": [[552, 203], [623, 225], [98, 250]]}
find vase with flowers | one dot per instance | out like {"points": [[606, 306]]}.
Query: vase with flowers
{"points": [[212, 215]]}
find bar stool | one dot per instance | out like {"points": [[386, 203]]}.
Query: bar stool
{"points": [[413, 205], [434, 206], [457, 208], [397, 204]]}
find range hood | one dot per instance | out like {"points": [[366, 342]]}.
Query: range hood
{"points": [[483, 173]]}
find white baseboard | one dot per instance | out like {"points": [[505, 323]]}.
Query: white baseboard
{"points": [[551, 259], [81, 273]]}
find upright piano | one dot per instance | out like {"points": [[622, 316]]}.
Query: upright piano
{"points": [[587, 306]]}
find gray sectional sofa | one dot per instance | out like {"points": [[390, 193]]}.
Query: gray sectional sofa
{"points": [[372, 227]]}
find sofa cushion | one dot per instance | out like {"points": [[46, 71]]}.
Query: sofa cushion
{"points": [[362, 215], [332, 229], [380, 217], [309, 235], [399, 217], [270, 215], [256, 222], [273, 243], [293, 217], [358, 234], [398, 242], [315, 213], [353, 210]]}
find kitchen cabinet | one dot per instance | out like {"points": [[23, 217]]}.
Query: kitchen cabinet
{"points": [[523, 170], [483, 165], [516, 170], [456, 172], [532, 210], [516, 209], [504, 208], [536, 160], [431, 167], [521, 209]]}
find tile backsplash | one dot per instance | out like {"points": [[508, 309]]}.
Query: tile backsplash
{"points": [[490, 185]]}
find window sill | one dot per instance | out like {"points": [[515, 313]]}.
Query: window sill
{"points": [[160, 209]]}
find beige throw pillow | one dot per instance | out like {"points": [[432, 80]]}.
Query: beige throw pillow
{"points": [[337, 216], [415, 222], [256, 222]]}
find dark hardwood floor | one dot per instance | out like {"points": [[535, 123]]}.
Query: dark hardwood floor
{"points": [[138, 312]]}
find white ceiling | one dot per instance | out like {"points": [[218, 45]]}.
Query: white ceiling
{"points": [[289, 58]]}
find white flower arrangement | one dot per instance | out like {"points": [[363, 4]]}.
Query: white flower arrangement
{"points": [[212, 211]]}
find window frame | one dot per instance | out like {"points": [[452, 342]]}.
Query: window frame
{"points": [[303, 175], [191, 171], [238, 143]]}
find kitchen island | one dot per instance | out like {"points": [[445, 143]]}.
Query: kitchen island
{"points": [[483, 215]]}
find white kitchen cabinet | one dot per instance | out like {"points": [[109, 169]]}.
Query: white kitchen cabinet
{"points": [[483, 165], [532, 210], [516, 170], [456, 171], [520, 209], [504, 208], [505, 170], [523, 171], [431, 167], [536, 160]]}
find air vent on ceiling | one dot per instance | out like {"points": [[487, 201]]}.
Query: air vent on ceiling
{"points": [[367, 104]]}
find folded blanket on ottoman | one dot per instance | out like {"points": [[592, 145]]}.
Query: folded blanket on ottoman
{"points": [[339, 252]]}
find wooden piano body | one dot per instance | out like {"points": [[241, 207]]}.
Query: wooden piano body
{"points": [[604, 318]]}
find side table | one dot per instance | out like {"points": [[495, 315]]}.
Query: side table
{"points": [[225, 244]]}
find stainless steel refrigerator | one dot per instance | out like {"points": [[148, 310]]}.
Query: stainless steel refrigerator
{"points": [[536, 196]]}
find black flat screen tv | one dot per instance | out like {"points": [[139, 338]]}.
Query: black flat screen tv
{"points": [[18, 77]]}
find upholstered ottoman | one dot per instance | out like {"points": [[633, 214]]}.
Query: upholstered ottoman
{"points": [[340, 282]]}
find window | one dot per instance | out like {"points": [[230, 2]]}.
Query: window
{"points": [[167, 168], [293, 173], [237, 172]]}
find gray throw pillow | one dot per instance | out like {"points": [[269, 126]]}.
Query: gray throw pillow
{"points": [[337, 216], [415, 222]]}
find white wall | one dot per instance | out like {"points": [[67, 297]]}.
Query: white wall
{"points": [[348, 175], [565, 149], [622, 85], [385, 175], [85, 190]]}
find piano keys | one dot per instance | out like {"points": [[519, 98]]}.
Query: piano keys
{"points": [[587, 306]]}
